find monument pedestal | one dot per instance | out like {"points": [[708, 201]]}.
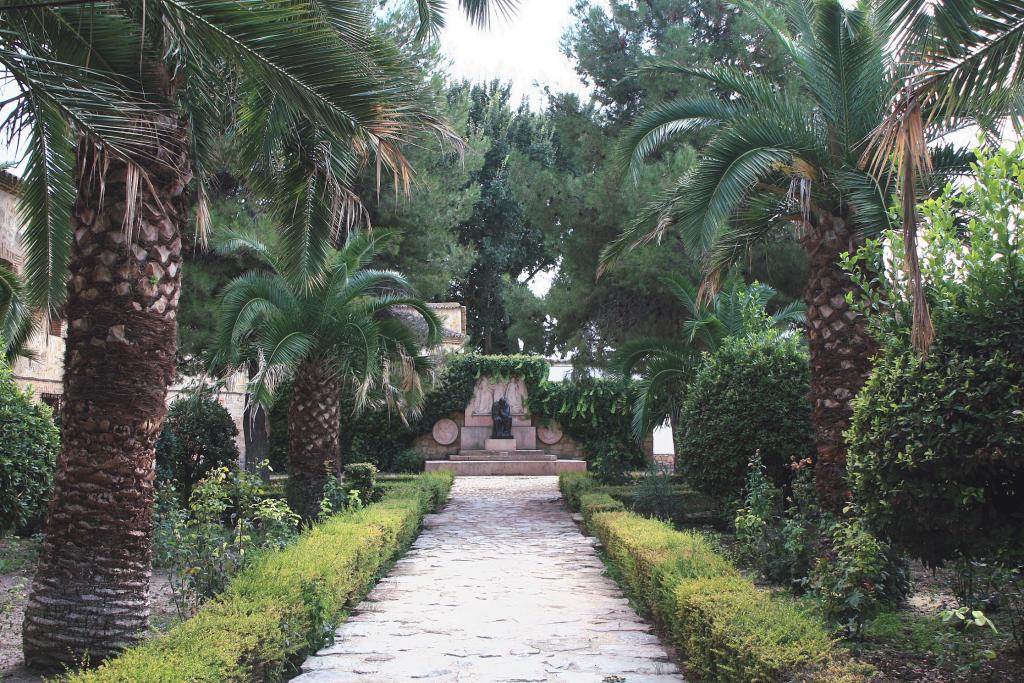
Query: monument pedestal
{"points": [[481, 455], [500, 445]]}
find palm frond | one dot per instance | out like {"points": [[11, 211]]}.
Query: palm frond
{"points": [[17, 321], [658, 126]]}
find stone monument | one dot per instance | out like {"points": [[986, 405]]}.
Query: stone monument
{"points": [[498, 435]]}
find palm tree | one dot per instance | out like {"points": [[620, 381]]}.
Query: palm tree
{"points": [[16, 319], [665, 365], [967, 60], [339, 329], [780, 160], [119, 104]]}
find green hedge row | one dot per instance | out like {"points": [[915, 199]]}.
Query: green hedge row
{"points": [[724, 627], [288, 602]]}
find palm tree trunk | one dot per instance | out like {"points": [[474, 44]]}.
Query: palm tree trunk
{"points": [[314, 428], [840, 349], [90, 594]]}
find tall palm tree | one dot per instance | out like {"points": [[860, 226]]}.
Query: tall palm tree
{"points": [[967, 64], [119, 103], [783, 160], [666, 364], [336, 330]]}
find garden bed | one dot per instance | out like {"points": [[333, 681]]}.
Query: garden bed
{"points": [[17, 564], [287, 603], [910, 644]]}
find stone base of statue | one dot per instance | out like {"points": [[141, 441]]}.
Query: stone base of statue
{"points": [[500, 445]]}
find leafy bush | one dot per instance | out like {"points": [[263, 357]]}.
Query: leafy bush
{"points": [[198, 438], [779, 536], [859, 577], [361, 477], [726, 628], [29, 442], [286, 603], [749, 396], [936, 444], [409, 462], [227, 523]]}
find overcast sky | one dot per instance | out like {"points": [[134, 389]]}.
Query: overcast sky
{"points": [[523, 48]]}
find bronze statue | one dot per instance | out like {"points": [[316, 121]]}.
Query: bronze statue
{"points": [[501, 413]]}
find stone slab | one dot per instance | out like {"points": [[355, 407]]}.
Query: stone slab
{"points": [[497, 468], [526, 437], [500, 586], [500, 445], [475, 438], [503, 455]]}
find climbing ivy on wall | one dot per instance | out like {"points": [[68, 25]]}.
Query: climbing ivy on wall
{"points": [[597, 413]]}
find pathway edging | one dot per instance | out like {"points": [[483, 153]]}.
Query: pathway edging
{"points": [[499, 586]]}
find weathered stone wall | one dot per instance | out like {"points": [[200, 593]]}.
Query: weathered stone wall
{"points": [[431, 450], [566, 448]]}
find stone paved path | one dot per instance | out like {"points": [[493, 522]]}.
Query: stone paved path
{"points": [[500, 586]]}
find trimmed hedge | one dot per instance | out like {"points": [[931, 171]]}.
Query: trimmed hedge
{"points": [[593, 503], [287, 603], [572, 485], [725, 628]]}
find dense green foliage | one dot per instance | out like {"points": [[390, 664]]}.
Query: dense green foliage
{"points": [[361, 477], [228, 520], [937, 443], [725, 627], [198, 438], [282, 606], [595, 412], [29, 442], [747, 398]]}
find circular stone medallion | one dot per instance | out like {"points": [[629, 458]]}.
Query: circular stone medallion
{"points": [[550, 435], [446, 431]]}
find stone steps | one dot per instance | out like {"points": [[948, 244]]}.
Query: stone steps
{"points": [[491, 468], [490, 456]]}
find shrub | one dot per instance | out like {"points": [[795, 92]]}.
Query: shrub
{"points": [[198, 438], [594, 503], [361, 477], [572, 485], [726, 629], [227, 523], [409, 462], [859, 576], [779, 536], [936, 444], [286, 603], [655, 494], [29, 442], [748, 396]]}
